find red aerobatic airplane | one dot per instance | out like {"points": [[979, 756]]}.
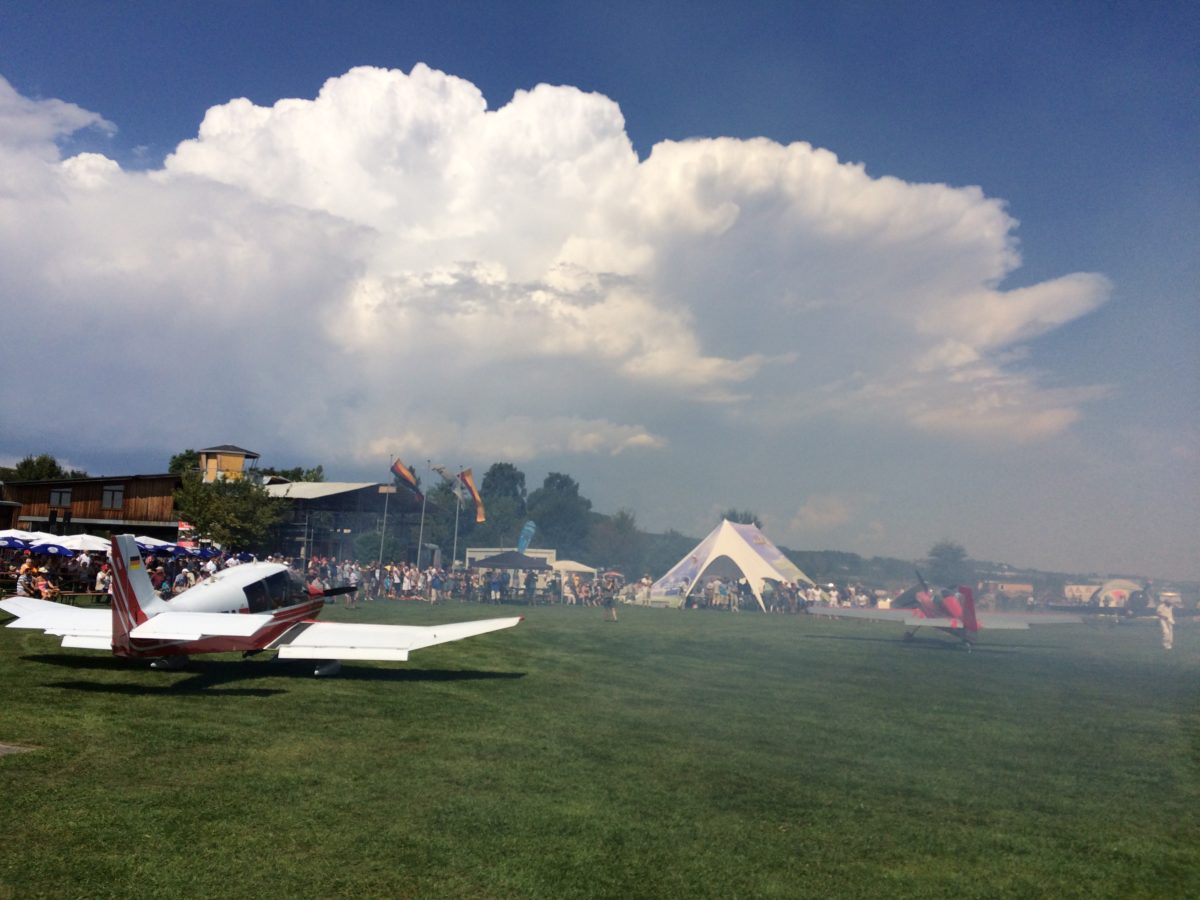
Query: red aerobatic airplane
{"points": [[247, 608], [947, 610]]}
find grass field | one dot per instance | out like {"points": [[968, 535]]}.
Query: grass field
{"points": [[672, 754]]}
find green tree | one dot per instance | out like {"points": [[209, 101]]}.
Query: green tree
{"points": [[184, 461], [504, 520], [742, 517], [439, 518], [561, 514], [503, 493], [664, 550], [233, 512], [41, 468], [503, 480], [616, 543], [948, 565], [366, 547]]}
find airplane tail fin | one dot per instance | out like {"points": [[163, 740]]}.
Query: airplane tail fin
{"points": [[133, 597], [970, 622]]}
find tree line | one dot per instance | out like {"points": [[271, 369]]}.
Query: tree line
{"points": [[240, 513]]}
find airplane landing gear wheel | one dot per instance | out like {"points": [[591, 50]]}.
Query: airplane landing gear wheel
{"points": [[170, 663]]}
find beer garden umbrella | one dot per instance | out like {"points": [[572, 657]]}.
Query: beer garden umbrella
{"points": [[88, 543], [49, 548]]}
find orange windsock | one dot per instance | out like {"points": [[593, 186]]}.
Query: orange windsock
{"points": [[469, 482]]}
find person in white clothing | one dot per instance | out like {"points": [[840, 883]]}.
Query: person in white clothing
{"points": [[1166, 623]]}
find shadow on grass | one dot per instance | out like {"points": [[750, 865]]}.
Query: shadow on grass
{"points": [[919, 643], [208, 676], [196, 685], [362, 673]]}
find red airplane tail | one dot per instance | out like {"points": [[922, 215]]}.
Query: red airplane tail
{"points": [[970, 623], [133, 597]]}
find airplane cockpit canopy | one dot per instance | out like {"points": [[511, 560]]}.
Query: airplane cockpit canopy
{"points": [[277, 590]]}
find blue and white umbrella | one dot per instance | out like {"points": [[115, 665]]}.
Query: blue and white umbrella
{"points": [[13, 543], [154, 545], [49, 548]]}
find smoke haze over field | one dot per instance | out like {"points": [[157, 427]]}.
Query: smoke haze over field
{"points": [[396, 263]]}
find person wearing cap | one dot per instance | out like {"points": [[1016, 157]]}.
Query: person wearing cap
{"points": [[1166, 622]]}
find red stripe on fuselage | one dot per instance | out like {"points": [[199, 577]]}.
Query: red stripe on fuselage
{"points": [[127, 613], [284, 619]]}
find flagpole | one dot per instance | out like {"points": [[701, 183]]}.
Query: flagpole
{"points": [[421, 530], [457, 507], [383, 531]]}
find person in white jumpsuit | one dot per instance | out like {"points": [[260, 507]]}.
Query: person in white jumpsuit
{"points": [[1166, 621]]}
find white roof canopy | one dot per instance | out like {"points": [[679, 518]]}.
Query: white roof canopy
{"points": [[730, 551]]}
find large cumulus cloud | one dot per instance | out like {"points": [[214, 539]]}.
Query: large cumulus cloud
{"points": [[392, 266]]}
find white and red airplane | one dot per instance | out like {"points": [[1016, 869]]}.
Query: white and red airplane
{"points": [[247, 608], [947, 610]]}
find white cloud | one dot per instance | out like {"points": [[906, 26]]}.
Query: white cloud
{"points": [[514, 438], [393, 267], [34, 125], [820, 513]]}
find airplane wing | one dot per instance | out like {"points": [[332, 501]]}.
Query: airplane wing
{"points": [[904, 616], [989, 621], [86, 629], [1023, 620], [192, 626], [349, 640]]}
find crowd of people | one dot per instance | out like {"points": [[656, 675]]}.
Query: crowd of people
{"points": [[51, 577], [170, 574], [433, 584], [777, 596], [91, 573]]}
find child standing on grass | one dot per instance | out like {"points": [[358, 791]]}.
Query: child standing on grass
{"points": [[610, 604]]}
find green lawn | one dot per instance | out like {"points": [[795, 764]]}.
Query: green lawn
{"points": [[675, 754]]}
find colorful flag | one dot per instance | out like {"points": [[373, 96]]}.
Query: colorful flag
{"points": [[406, 476], [465, 477]]}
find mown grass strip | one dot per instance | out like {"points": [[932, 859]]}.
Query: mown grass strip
{"points": [[670, 754]]}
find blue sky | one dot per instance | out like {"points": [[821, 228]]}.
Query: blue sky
{"points": [[783, 391]]}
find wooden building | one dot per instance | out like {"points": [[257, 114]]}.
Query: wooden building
{"points": [[323, 518], [9, 511], [225, 461], [141, 504]]}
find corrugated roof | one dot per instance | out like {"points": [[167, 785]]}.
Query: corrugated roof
{"points": [[66, 481], [315, 490]]}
